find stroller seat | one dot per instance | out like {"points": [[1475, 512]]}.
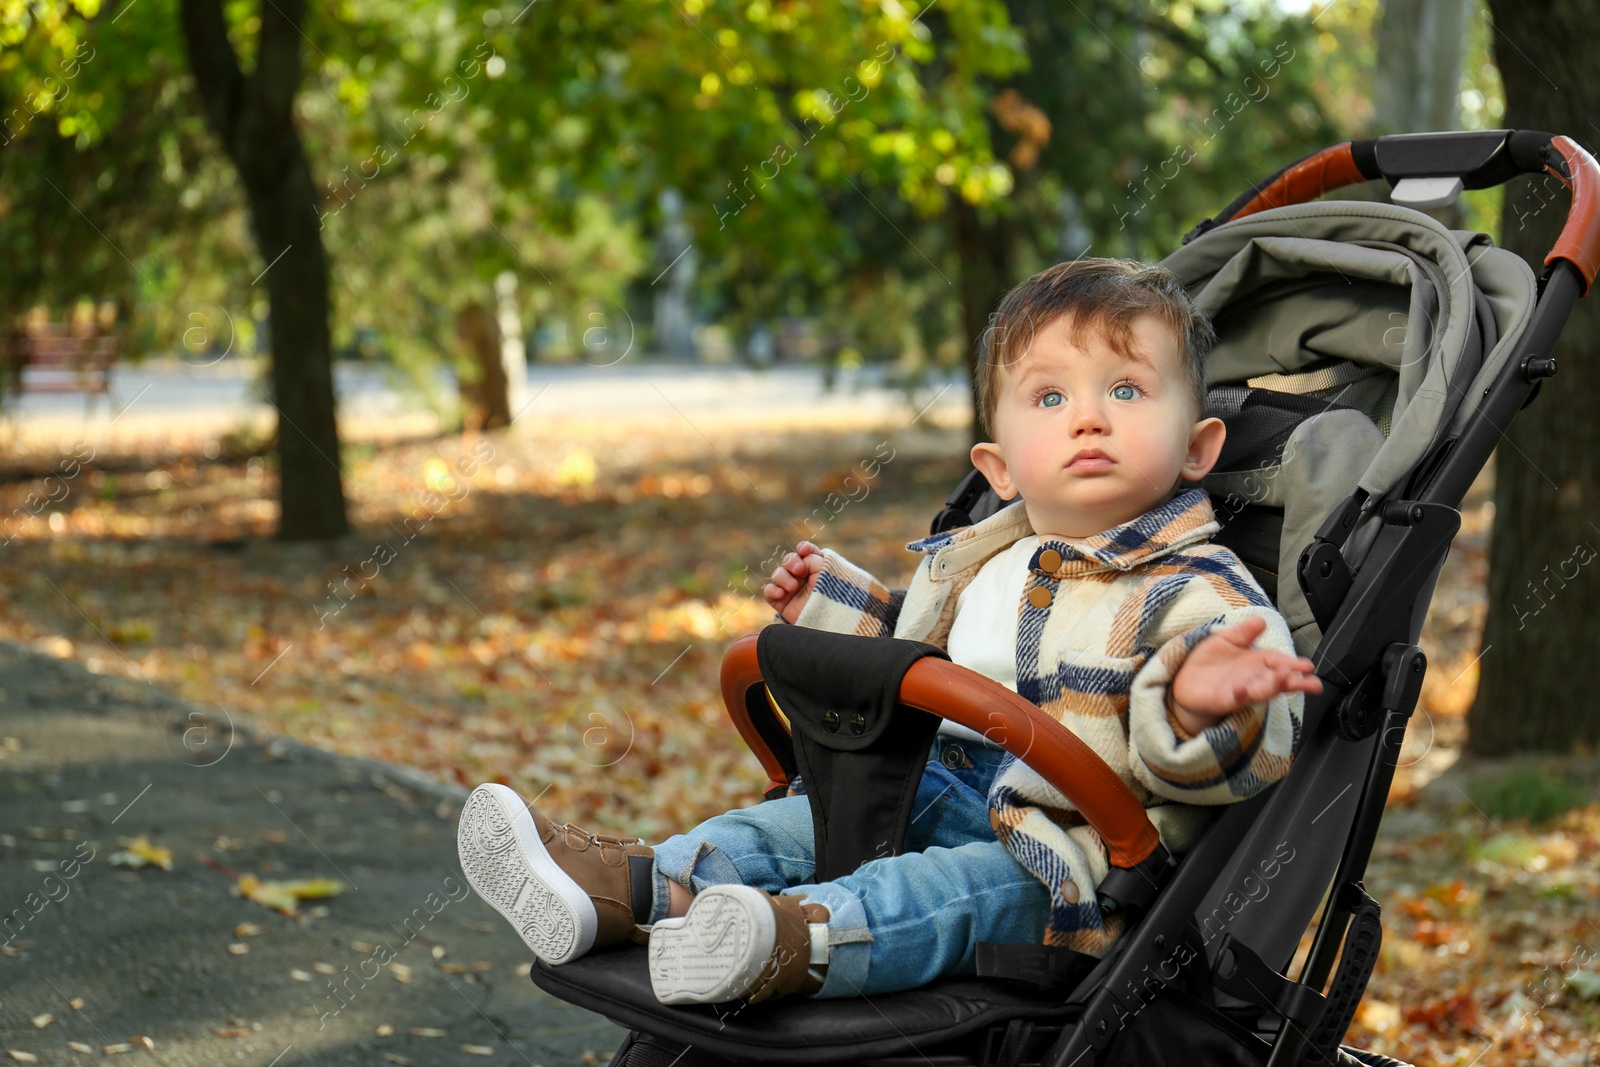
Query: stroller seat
{"points": [[1368, 360]]}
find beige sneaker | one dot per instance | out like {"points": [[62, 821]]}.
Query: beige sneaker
{"points": [[564, 889], [736, 942]]}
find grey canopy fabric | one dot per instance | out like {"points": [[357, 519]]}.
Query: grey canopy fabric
{"points": [[1380, 324]]}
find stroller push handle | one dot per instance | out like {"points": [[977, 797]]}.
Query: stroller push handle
{"points": [[964, 696], [1479, 158]]}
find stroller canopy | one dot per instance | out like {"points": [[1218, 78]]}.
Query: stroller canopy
{"points": [[1353, 337]]}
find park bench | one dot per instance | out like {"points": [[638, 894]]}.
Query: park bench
{"points": [[58, 357]]}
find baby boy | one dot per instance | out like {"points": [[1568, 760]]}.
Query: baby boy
{"points": [[1097, 596]]}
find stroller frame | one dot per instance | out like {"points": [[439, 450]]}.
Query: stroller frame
{"points": [[1228, 1002]]}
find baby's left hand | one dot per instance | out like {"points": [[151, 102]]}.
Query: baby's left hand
{"points": [[1225, 672]]}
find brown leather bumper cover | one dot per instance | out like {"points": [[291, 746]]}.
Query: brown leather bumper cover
{"points": [[964, 696]]}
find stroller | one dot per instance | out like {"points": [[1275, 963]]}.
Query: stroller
{"points": [[1368, 360]]}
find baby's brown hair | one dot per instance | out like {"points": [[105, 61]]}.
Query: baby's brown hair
{"points": [[1097, 294]]}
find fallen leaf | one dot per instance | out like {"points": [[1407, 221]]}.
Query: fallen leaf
{"points": [[285, 897], [477, 1050], [247, 930], [232, 1031], [426, 1031], [239, 948], [384, 1030], [393, 1057], [42, 1020], [1435, 934], [140, 852], [79, 1046], [22, 1057], [1377, 1015], [1452, 1014], [1417, 908], [116, 1050]]}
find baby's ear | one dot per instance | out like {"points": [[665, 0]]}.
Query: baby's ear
{"points": [[991, 461], [1205, 448]]}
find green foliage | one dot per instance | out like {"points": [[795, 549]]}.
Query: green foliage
{"points": [[819, 148], [1527, 793], [109, 188]]}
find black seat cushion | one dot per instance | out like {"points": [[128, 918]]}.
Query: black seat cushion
{"points": [[801, 1030]]}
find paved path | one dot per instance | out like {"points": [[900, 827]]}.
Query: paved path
{"points": [[89, 762], [228, 390]]}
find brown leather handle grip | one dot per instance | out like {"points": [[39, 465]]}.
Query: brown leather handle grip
{"points": [[1335, 167], [964, 696], [1579, 243], [1331, 168]]}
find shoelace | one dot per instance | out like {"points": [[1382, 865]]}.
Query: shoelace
{"points": [[602, 839]]}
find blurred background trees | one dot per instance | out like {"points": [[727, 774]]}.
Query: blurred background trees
{"points": [[451, 190], [802, 179]]}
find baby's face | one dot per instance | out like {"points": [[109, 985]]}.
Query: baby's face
{"points": [[1071, 393]]}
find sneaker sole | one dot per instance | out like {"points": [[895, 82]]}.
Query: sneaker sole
{"points": [[509, 867], [717, 950]]}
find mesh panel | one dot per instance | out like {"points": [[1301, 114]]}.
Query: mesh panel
{"points": [[1258, 431], [1264, 412]]}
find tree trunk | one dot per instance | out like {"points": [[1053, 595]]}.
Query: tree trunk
{"points": [[1420, 47], [985, 250], [253, 117], [484, 395], [1534, 692]]}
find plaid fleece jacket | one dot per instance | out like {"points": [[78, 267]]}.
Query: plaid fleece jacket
{"points": [[1127, 605]]}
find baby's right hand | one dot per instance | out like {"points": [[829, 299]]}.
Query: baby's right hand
{"points": [[793, 581]]}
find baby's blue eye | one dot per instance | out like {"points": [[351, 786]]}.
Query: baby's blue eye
{"points": [[1124, 385], [1047, 402]]}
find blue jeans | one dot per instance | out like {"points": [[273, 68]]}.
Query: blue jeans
{"points": [[897, 922]]}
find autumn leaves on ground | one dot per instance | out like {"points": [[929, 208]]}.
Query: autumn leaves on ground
{"points": [[549, 608]]}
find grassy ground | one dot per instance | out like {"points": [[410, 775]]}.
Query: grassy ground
{"points": [[550, 608]]}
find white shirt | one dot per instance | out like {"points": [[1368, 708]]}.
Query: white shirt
{"points": [[983, 636]]}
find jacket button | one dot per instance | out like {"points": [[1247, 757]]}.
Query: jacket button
{"points": [[1039, 597], [830, 721], [1049, 559]]}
